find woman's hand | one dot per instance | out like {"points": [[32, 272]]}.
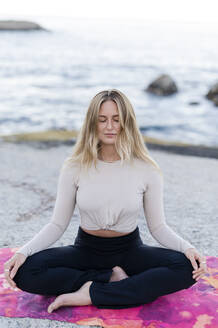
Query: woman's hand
{"points": [[11, 267], [193, 255]]}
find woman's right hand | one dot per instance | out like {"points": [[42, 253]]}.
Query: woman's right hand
{"points": [[13, 265]]}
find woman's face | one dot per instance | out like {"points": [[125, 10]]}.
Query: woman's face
{"points": [[108, 122]]}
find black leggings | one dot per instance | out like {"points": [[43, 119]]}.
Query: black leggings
{"points": [[153, 271]]}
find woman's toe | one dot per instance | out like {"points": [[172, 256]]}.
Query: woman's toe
{"points": [[50, 308], [55, 304]]}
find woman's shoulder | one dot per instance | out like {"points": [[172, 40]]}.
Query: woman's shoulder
{"points": [[145, 164], [69, 166], [149, 170]]}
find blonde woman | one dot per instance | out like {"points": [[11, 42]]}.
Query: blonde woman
{"points": [[110, 176]]}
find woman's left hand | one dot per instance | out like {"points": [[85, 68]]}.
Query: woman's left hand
{"points": [[193, 255]]}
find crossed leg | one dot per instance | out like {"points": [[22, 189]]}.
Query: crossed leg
{"points": [[149, 272], [59, 270], [153, 272], [82, 296], [66, 269]]}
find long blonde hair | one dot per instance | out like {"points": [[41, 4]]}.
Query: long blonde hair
{"points": [[129, 142]]}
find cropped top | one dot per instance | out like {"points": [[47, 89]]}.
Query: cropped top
{"points": [[108, 198]]}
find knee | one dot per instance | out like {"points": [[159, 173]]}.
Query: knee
{"points": [[184, 265], [24, 277], [21, 277], [187, 271]]}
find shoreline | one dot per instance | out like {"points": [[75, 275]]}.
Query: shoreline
{"points": [[56, 138]]}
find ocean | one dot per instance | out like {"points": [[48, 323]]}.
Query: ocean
{"points": [[48, 78]]}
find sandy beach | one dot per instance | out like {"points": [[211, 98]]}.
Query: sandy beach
{"points": [[29, 173]]}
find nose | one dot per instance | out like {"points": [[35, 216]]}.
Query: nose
{"points": [[109, 124]]}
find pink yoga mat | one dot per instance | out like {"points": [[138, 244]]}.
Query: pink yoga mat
{"points": [[195, 307]]}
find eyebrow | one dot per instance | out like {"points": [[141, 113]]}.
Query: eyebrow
{"points": [[105, 116]]}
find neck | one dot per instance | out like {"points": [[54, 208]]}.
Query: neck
{"points": [[108, 155]]}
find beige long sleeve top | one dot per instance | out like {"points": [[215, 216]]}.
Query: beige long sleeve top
{"points": [[110, 197]]}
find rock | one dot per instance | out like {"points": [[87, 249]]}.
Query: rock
{"points": [[213, 94], [215, 101], [12, 25], [162, 86], [194, 103]]}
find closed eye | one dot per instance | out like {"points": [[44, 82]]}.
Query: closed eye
{"points": [[114, 121]]}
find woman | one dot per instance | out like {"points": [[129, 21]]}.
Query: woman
{"points": [[110, 176]]}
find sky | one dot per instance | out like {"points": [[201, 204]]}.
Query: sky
{"points": [[156, 10]]}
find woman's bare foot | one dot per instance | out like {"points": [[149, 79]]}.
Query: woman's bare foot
{"points": [[118, 274], [80, 297]]}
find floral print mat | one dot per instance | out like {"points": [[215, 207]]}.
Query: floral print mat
{"points": [[195, 307]]}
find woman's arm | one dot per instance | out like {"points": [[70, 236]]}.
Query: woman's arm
{"points": [[154, 213], [62, 213]]}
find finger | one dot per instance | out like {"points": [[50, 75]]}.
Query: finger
{"points": [[9, 280], [8, 266], [196, 274], [199, 270], [202, 265], [202, 261], [203, 268], [199, 277], [13, 272], [194, 263], [202, 272]]}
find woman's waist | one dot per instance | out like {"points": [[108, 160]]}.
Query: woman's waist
{"points": [[107, 226], [84, 238], [105, 232]]}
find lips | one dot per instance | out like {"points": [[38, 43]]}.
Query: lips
{"points": [[110, 134]]}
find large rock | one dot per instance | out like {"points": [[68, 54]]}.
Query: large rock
{"points": [[12, 25], [213, 94], [162, 86]]}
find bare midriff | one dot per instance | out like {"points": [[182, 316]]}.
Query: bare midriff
{"points": [[105, 233]]}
